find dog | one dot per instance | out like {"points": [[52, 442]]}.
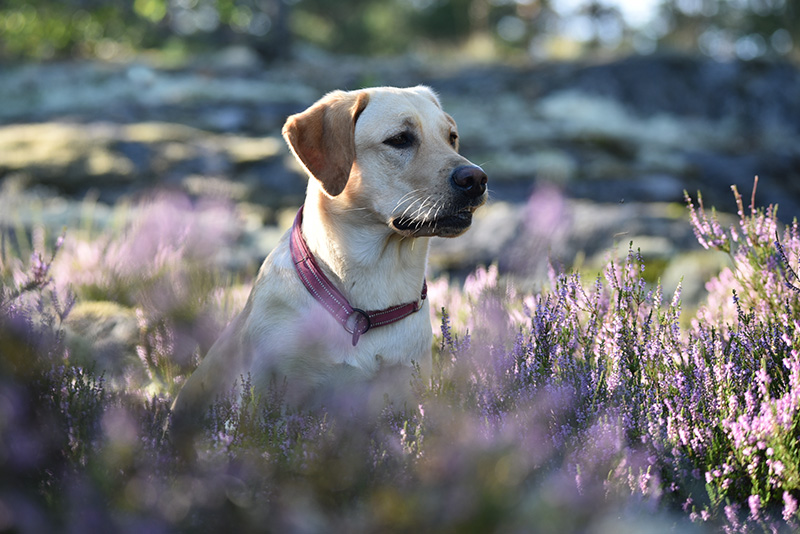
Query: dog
{"points": [[385, 176]]}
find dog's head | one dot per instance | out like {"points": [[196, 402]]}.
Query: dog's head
{"points": [[392, 153]]}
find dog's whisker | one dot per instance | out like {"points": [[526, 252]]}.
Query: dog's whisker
{"points": [[415, 207], [409, 194], [426, 205], [417, 204], [420, 200], [429, 205], [430, 209], [406, 198], [436, 217], [408, 207], [422, 205]]}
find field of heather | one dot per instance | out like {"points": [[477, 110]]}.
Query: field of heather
{"points": [[611, 354], [595, 404]]}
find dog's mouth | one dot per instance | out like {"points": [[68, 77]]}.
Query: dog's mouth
{"points": [[447, 226]]}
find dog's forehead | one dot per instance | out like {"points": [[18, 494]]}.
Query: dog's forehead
{"points": [[393, 108]]}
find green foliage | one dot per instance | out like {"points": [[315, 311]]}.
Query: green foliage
{"points": [[379, 27], [44, 29]]}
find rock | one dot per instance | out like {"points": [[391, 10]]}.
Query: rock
{"points": [[647, 188], [692, 270], [620, 141], [551, 227], [103, 336], [104, 91], [758, 95], [703, 124], [235, 58], [41, 207], [540, 164], [493, 229], [73, 158], [60, 153]]}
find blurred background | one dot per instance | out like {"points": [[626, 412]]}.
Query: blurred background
{"points": [[590, 117], [489, 30]]}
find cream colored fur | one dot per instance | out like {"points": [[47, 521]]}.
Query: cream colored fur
{"points": [[357, 185]]}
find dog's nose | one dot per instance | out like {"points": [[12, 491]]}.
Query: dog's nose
{"points": [[470, 179]]}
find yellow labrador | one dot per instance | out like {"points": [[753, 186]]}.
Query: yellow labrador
{"points": [[385, 176]]}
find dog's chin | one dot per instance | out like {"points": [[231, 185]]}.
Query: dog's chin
{"points": [[449, 226]]}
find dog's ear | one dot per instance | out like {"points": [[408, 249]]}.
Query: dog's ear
{"points": [[427, 92], [322, 137]]}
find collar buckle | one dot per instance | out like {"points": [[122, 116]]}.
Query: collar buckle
{"points": [[357, 323]]}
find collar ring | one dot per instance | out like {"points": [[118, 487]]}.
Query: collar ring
{"points": [[357, 323]]}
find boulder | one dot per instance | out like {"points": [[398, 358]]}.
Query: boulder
{"points": [[115, 159], [103, 336]]}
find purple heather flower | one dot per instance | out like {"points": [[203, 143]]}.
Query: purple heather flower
{"points": [[789, 507], [754, 502], [732, 515]]}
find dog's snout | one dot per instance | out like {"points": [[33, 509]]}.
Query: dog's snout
{"points": [[470, 179]]}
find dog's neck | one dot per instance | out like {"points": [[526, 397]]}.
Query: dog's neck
{"points": [[371, 264]]}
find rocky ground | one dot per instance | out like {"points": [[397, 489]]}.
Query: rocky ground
{"points": [[581, 157]]}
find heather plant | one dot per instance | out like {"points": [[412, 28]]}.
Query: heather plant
{"points": [[162, 266], [582, 407], [749, 339], [30, 305]]}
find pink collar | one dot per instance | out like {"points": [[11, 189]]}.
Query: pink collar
{"points": [[354, 320]]}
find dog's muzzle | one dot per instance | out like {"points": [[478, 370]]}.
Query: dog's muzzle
{"points": [[468, 184]]}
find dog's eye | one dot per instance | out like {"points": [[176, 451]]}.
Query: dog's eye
{"points": [[453, 139], [401, 140]]}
